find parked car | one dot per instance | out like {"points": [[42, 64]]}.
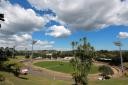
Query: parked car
{"points": [[24, 71]]}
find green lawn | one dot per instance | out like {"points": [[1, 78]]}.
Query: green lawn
{"points": [[36, 80], [120, 81], [64, 67], [17, 59], [30, 80]]}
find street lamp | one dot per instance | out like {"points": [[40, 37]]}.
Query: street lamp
{"points": [[119, 44]]}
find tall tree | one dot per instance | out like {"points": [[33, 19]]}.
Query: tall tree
{"points": [[82, 62]]}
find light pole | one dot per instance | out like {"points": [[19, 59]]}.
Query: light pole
{"points": [[33, 42], [25, 52], [119, 44], [13, 51]]}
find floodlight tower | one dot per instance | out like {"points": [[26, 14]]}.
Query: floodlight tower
{"points": [[119, 44]]}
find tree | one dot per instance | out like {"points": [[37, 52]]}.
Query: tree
{"points": [[105, 71], [8, 52], [1, 18], [82, 62]]}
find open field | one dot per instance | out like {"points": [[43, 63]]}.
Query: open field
{"points": [[59, 66], [36, 80], [17, 58], [30, 80], [42, 80], [120, 81]]}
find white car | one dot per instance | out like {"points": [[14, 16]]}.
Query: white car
{"points": [[24, 71]]}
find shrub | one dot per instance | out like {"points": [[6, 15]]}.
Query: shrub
{"points": [[2, 78], [105, 71], [12, 66], [16, 69]]}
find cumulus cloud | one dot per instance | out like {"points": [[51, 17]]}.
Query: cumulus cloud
{"points": [[39, 42], [87, 14], [44, 44], [58, 31], [19, 25], [24, 41], [18, 19], [123, 35], [17, 40], [22, 38]]}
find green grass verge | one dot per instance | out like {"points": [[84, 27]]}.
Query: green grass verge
{"points": [[30, 80], [59, 66], [36, 80], [120, 81]]}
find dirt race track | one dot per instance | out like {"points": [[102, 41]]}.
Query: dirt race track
{"points": [[42, 72]]}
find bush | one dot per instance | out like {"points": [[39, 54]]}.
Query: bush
{"points": [[2, 78], [13, 67], [16, 69], [126, 74], [107, 77], [27, 56], [106, 70], [7, 65]]}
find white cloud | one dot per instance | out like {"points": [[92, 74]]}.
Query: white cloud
{"points": [[18, 26], [87, 14], [39, 42], [17, 40], [22, 38], [58, 31], [18, 19], [123, 35], [44, 44], [24, 41]]}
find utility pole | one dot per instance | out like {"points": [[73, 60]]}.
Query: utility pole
{"points": [[119, 44]]}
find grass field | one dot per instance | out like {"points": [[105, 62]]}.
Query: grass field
{"points": [[36, 80], [30, 80], [120, 81], [64, 67], [40, 80]]}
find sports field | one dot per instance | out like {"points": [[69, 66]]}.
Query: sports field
{"points": [[64, 67]]}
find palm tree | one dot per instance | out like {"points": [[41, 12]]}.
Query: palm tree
{"points": [[83, 40], [73, 45], [82, 62]]}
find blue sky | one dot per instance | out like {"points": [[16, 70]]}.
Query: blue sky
{"points": [[101, 36]]}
